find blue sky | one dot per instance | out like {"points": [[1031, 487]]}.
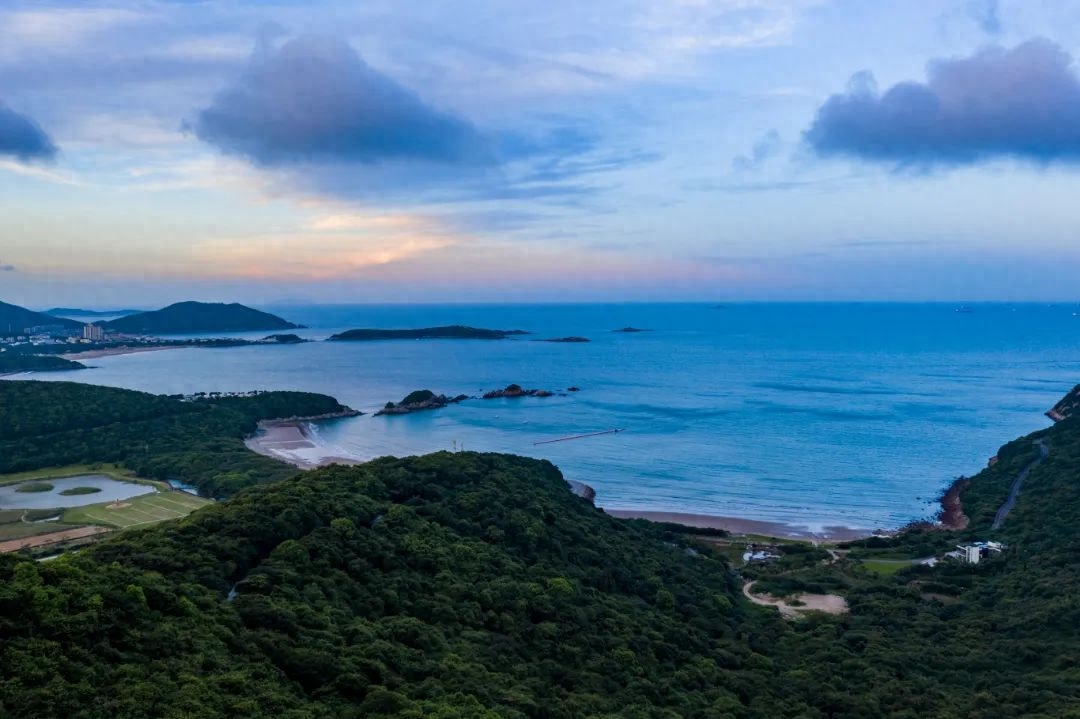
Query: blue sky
{"points": [[487, 150]]}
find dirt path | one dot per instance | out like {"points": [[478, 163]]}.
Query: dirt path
{"points": [[1014, 491], [828, 603], [41, 540]]}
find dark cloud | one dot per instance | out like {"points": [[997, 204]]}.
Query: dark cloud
{"points": [[315, 100], [22, 138], [1022, 103], [987, 14], [760, 153]]}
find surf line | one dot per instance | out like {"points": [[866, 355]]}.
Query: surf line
{"points": [[579, 436]]}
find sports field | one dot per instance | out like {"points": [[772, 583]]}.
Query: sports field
{"points": [[138, 511]]}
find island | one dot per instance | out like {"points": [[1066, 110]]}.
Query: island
{"points": [[419, 401], [282, 340], [570, 340], [630, 330], [198, 318], [451, 332], [515, 390]]}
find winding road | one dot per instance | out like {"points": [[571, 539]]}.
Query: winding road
{"points": [[1014, 491]]}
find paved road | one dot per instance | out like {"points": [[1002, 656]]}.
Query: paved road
{"points": [[1014, 491]]}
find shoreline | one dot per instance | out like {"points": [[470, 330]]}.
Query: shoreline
{"points": [[94, 354], [740, 525], [291, 441]]}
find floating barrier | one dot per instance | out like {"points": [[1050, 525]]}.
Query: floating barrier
{"points": [[579, 436]]}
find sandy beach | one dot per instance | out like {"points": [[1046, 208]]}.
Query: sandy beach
{"points": [[737, 525], [93, 354], [291, 441]]}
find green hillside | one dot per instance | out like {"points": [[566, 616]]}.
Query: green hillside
{"points": [[478, 585], [197, 318], [15, 319], [53, 424]]}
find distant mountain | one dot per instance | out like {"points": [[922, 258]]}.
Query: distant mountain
{"points": [[15, 319], [199, 317], [73, 312], [454, 332]]}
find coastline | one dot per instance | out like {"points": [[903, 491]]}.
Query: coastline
{"points": [[94, 354], [292, 441], [739, 525]]}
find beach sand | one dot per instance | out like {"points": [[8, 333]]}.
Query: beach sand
{"points": [[93, 354], [291, 441], [737, 525]]}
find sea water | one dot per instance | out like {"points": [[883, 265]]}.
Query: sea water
{"points": [[811, 414]]}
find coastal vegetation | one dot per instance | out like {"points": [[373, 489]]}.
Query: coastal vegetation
{"points": [[13, 362], [478, 585], [456, 332], [52, 424]]}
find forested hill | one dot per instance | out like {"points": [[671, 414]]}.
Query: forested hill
{"points": [[14, 320], [199, 317], [49, 424], [478, 586], [441, 586]]}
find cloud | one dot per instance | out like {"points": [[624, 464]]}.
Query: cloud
{"points": [[315, 100], [987, 14], [22, 138], [1022, 103], [762, 151]]}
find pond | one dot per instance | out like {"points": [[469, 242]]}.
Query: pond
{"points": [[111, 489]]}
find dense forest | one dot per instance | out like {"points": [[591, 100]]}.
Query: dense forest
{"points": [[13, 362], [477, 585], [48, 424]]}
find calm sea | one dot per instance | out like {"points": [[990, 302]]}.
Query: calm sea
{"points": [[812, 414]]}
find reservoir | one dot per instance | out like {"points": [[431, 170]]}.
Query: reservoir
{"points": [[111, 490]]}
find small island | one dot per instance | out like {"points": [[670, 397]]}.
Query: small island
{"points": [[419, 401], [282, 340], [76, 491], [630, 330], [452, 332], [566, 339], [515, 390]]}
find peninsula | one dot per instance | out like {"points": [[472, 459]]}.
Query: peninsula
{"points": [[448, 332]]}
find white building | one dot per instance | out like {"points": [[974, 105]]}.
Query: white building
{"points": [[92, 332], [976, 551]]}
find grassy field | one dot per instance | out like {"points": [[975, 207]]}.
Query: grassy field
{"points": [[138, 511], [885, 567], [74, 470]]}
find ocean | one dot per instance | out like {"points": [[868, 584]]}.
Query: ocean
{"points": [[814, 415]]}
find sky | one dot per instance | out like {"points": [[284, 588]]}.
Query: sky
{"points": [[332, 151]]}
